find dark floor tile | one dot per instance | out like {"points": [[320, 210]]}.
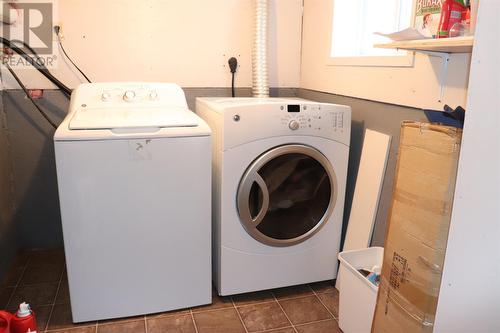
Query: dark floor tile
{"points": [[44, 266], [323, 287], [331, 300], [35, 295], [168, 313], [282, 330], [219, 321], [329, 326], [121, 320], [41, 257], [265, 316], [21, 259], [61, 318], [5, 293], [218, 302], [65, 273], [293, 292], [13, 276], [252, 298], [171, 324], [16, 270], [42, 273], [89, 329], [63, 293], [304, 310], [123, 327], [42, 314]]}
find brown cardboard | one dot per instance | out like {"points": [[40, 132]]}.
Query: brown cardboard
{"points": [[418, 228]]}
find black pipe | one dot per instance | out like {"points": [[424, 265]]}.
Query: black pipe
{"points": [[40, 67]]}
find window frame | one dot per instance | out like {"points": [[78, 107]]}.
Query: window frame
{"points": [[403, 60]]}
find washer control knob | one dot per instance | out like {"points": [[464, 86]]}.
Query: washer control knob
{"points": [[129, 96], [106, 96], [294, 125], [153, 95]]}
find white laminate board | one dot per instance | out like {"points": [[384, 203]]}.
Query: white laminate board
{"points": [[368, 188], [367, 193]]}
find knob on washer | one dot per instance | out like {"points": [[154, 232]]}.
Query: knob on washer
{"points": [[153, 95], [129, 96], [106, 96]]}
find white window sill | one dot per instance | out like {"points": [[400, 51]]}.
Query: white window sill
{"points": [[374, 61]]}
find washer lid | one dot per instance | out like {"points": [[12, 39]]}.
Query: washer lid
{"points": [[132, 117]]}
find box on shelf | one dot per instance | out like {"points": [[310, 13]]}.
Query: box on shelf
{"points": [[427, 16], [418, 228]]}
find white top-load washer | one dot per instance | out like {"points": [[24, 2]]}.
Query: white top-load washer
{"points": [[133, 170], [279, 177]]}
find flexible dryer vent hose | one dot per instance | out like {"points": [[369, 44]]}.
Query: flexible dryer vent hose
{"points": [[260, 77]]}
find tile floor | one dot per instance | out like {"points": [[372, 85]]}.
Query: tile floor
{"points": [[39, 278]]}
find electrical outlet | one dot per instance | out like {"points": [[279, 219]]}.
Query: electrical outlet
{"points": [[61, 32], [226, 56]]}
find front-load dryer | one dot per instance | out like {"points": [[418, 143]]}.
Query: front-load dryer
{"points": [[279, 177]]}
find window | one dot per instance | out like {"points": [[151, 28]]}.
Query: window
{"points": [[354, 23]]}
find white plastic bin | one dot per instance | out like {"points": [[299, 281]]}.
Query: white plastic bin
{"points": [[358, 296]]}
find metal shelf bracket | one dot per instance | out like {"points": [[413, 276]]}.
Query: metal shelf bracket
{"points": [[446, 57]]}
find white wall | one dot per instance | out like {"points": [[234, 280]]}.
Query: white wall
{"points": [[182, 41], [416, 86], [469, 299]]}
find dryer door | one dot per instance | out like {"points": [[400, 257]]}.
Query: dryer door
{"points": [[287, 195]]}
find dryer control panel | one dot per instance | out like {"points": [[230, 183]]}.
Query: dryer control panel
{"points": [[252, 119], [312, 118]]}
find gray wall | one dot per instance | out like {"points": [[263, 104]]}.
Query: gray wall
{"points": [[37, 217], [37, 208], [381, 117], [34, 175], [8, 236]]}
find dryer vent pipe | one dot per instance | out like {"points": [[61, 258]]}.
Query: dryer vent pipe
{"points": [[260, 77]]}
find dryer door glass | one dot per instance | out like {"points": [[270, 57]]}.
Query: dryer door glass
{"points": [[287, 195]]}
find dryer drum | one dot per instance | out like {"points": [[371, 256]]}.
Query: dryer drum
{"points": [[286, 195]]}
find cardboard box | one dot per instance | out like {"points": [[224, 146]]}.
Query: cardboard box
{"points": [[427, 16], [418, 228]]}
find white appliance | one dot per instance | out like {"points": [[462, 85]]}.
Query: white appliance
{"points": [[133, 169], [279, 175]]}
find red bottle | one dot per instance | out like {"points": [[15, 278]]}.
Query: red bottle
{"points": [[24, 321], [451, 13], [5, 319]]}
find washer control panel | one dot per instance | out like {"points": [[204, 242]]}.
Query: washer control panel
{"points": [[129, 94], [139, 95]]}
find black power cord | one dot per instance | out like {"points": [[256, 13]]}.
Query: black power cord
{"points": [[57, 30], [233, 65], [37, 64], [29, 96]]}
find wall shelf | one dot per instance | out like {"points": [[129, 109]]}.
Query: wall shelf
{"points": [[441, 45]]}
